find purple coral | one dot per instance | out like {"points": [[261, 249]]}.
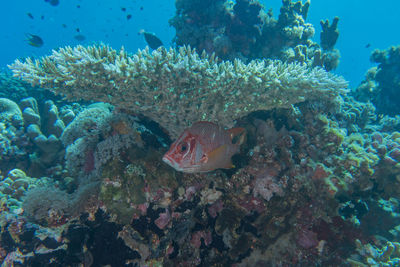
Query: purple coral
{"points": [[266, 185], [163, 220]]}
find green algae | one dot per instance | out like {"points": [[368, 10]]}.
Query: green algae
{"points": [[132, 180]]}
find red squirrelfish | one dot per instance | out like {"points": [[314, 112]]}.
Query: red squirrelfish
{"points": [[204, 147]]}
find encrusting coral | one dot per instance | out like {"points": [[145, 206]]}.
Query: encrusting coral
{"points": [[177, 87]]}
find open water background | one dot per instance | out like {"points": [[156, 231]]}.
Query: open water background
{"points": [[362, 23]]}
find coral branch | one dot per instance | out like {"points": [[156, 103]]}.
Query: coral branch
{"points": [[329, 33], [177, 87]]}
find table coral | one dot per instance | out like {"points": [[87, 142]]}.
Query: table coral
{"points": [[177, 87]]}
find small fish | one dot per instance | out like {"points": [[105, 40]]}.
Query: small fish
{"points": [[30, 15], [123, 9], [204, 147], [34, 40], [368, 45], [151, 39], [53, 2], [80, 37], [129, 16]]}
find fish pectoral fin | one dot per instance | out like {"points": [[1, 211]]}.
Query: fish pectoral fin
{"points": [[216, 155], [216, 152], [238, 135]]}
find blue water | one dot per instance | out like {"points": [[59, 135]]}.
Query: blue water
{"points": [[362, 22]]}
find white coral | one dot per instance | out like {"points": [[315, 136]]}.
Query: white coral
{"points": [[177, 87]]}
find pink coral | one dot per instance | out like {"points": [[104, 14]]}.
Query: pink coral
{"points": [[215, 208], [89, 161], [197, 236], [266, 185], [163, 220], [320, 172], [252, 204], [307, 238]]}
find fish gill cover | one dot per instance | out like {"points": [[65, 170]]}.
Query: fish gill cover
{"points": [[316, 182]]}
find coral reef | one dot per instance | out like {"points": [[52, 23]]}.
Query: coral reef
{"points": [[13, 188], [318, 172], [12, 88], [242, 29], [166, 85], [9, 149], [44, 131], [382, 83], [302, 188], [10, 113], [316, 182], [29, 138], [370, 255], [79, 243], [81, 136]]}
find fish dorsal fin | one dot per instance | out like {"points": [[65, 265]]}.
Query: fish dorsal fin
{"points": [[238, 135]]}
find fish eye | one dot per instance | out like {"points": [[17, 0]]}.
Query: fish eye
{"points": [[183, 147]]}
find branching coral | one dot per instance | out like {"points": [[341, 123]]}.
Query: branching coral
{"points": [[372, 255], [382, 83], [329, 34], [177, 87], [243, 29]]}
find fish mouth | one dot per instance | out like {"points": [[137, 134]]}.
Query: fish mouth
{"points": [[171, 162]]}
